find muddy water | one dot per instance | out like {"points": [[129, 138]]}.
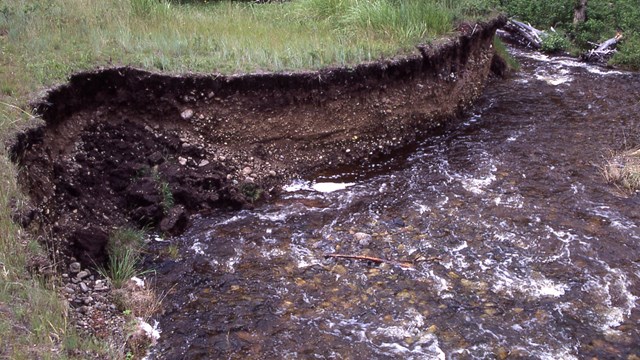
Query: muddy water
{"points": [[518, 247]]}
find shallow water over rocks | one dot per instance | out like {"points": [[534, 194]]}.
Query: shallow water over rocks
{"points": [[518, 247]]}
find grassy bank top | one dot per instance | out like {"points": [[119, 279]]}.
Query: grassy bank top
{"points": [[43, 42]]}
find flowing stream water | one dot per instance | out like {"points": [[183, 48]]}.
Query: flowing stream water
{"points": [[517, 247]]}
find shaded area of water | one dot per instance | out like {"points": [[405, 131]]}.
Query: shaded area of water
{"points": [[519, 247]]}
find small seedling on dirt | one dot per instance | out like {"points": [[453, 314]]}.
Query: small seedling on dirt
{"points": [[165, 191], [251, 191], [172, 251], [167, 196]]}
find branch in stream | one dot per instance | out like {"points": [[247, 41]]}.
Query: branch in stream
{"points": [[603, 50], [402, 264], [532, 35]]}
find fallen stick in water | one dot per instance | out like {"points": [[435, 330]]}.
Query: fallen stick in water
{"points": [[402, 264], [603, 51]]}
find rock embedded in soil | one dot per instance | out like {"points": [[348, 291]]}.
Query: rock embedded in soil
{"points": [[187, 114]]}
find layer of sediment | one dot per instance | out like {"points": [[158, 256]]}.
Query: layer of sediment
{"points": [[121, 145]]}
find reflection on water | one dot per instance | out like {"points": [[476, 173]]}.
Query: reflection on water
{"points": [[518, 247]]}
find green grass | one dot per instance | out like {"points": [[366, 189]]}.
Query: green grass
{"points": [[217, 37], [124, 250], [623, 170], [43, 42], [501, 50], [604, 19]]}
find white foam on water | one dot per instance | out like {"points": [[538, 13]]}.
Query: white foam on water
{"points": [[423, 208], [534, 287], [197, 247], [409, 328], [321, 187], [278, 216], [273, 253], [554, 80], [440, 284], [240, 216], [303, 256], [477, 185], [564, 236], [617, 220], [327, 187], [297, 185], [514, 201], [550, 354], [233, 261], [570, 62], [617, 300], [460, 247]]}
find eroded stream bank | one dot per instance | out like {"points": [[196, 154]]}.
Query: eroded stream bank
{"points": [[126, 146]]}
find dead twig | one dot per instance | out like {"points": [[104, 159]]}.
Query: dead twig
{"points": [[376, 260]]}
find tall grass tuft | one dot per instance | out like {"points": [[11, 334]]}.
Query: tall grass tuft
{"points": [[623, 169], [124, 250]]}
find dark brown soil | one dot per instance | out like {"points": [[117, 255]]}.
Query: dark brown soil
{"points": [[126, 147]]}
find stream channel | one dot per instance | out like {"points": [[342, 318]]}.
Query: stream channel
{"points": [[518, 247]]}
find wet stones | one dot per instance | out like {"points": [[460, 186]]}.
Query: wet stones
{"points": [[362, 238]]}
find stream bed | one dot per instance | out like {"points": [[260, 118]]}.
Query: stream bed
{"points": [[503, 240]]}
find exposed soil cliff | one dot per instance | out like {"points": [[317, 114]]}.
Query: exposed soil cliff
{"points": [[124, 145]]}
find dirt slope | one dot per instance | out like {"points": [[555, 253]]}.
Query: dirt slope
{"points": [[121, 145]]}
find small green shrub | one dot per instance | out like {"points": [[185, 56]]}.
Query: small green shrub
{"points": [[554, 42], [122, 266]]}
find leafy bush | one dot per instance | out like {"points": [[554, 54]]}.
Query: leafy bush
{"points": [[554, 43], [543, 13]]}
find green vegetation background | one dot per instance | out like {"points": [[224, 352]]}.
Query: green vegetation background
{"points": [[603, 20]]}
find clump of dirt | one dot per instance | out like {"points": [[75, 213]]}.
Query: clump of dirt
{"points": [[123, 146]]}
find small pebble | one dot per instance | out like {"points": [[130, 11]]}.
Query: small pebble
{"points": [[187, 114], [82, 274]]}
